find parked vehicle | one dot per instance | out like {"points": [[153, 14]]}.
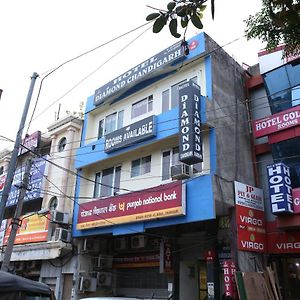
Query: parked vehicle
{"points": [[13, 287]]}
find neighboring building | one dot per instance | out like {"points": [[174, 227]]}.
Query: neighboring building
{"points": [[43, 249], [274, 96], [146, 223]]}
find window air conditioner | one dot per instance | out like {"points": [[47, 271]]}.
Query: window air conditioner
{"points": [[104, 262], [180, 171], [59, 217], [90, 245], [120, 243], [19, 266], [61, 234], [87, 284], [31, 264], [138, 241], [104, 279]]}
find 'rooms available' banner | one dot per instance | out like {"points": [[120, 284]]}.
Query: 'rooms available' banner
{"points": [[250, 218]]}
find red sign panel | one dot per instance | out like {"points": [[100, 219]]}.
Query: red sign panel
{"points": [[154, 203], [229, 279], [137, 261], [296, 200], [283, 242], [251, 241], [277, 122], [250, 219]]}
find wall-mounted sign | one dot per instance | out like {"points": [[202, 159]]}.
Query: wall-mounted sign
{"points": [[158, 202], [190, 143], [250, 217], [137, 260], [296, 200], [229, 278], [34, 229], [30, 142], [37, 173], [133, 133], [280, 189], [166, 257], [277, 122], [2, 232], [283, 242], [154, 66]]}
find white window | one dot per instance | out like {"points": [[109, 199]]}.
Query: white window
{"points": [[112, 122], [107, 182], [141, 166], [169, 158], [170, 97], [142, 107]]}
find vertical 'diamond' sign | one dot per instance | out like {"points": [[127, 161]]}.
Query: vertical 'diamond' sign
{"points": [[280, 189], [190, 143]]}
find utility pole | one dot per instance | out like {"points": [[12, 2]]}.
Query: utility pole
{"points": [[16, 222], [14, 156]]}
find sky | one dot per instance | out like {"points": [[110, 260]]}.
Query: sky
{"points": [[38, 36]]}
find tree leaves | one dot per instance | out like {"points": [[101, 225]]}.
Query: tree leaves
{"points": [[159, 24], [152, 16], [185, 10]]}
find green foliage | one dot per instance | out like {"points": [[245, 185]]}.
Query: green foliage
{"points": [[278, 22], [184, 10]]}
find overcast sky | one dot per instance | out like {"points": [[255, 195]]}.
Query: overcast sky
{"points": [[37, 36]]}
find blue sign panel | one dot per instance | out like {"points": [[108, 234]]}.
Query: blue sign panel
{"points": [[280, 189], [35, 183]]}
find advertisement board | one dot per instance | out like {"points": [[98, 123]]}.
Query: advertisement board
{"points": [[190, 140], [30, 142], [34, 229], [154, 203], [250, 217], [37, 173], [280, 189], [283, 242]]}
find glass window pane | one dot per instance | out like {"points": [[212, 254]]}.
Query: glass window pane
{"points": [[166, 165], [97, 185], [296, 95], [165, 100], [139, 108], [101, 129], [175, 156], [146, 165], [120, 119], [117, 179], [175, 94], [150, 103], [135, 167], [107, 182], [110, 123]]}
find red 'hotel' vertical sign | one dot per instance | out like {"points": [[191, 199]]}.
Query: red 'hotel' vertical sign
{"points": [[250, 218], [229, 279]]}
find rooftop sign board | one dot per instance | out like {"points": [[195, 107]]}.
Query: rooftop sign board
{"points": [[158, 65]]}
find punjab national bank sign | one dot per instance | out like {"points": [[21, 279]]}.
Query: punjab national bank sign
{"points": [[154, 203], [190, 142]]}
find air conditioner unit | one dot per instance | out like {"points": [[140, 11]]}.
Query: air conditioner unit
{"points": [[59, 217], [104, 279], [90, 245], [120, 243], [61, 234], [19, 266], [180, 171], [87, 284], [138, 241], [31, 264], [104, 262]]}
